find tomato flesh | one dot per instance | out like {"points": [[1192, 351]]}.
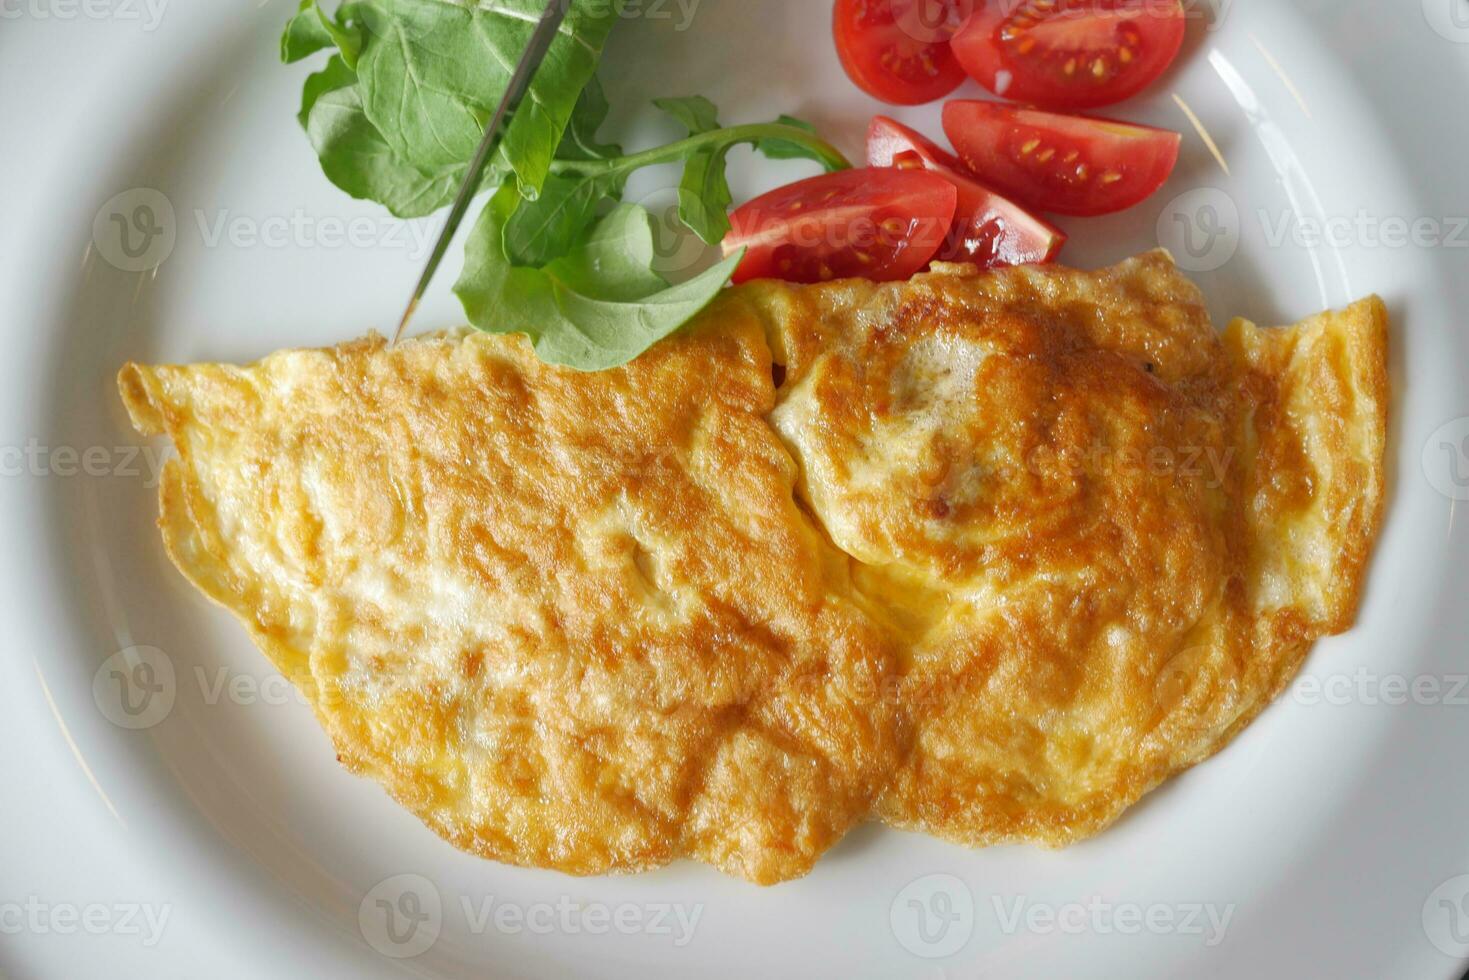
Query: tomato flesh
{"points": [[1065, 164], [879, 224], [1070, 54], [988, 229], [898, 50]]}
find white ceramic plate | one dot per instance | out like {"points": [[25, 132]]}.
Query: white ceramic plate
{"points": [[212, 832]]}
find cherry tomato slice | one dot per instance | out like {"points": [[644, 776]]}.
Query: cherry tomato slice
{"points": [[988, 229], [869, 223], [1065, 164], [897, 50], [1070, 54]]}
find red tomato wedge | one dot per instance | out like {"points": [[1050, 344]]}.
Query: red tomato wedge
{"points": [[868, 223], [1070, 54], [897, 50], [988, 229], [1066, 164]]}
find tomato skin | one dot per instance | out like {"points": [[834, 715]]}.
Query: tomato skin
{"points": [[1078, 165], [887, 138], [1077, 55], [988, 229], [897, 52], [879, 224]]}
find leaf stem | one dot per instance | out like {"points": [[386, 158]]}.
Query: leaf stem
{"points": [[683, 149]]}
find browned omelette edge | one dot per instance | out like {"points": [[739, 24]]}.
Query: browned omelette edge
{"points": [[1331, 369], [1364, 331], [188, 540], [143, 407], [1286, 354], [1291, 359]]}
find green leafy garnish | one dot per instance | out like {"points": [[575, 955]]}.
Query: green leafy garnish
{"points": [[432, 73], [781, 149], [598, 306], [580, 141], [400, 107], [559, 216], [312, 30], [703, 196]]}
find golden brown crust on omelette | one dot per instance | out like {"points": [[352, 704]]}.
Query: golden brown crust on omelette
{"points": [[1327, 410], [570, 621], [1091, 522], [1003, 552]]}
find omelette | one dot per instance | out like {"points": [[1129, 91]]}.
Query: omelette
{"points": [[983, 555]]}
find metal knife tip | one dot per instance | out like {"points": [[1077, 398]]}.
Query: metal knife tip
{"points": [[403, 323]]}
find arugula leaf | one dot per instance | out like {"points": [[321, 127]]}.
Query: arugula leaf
{"points": [[399, 109], [541, 230], [696, 113], [336, 75], [357, 159], [433, 71], [782, 149], [305, 34], [545, 229], [580, 141], [615, 261], [311, 30], [704, 196], [575, 313]]}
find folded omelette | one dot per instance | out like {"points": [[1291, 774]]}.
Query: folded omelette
{"points": [[983, 555]]}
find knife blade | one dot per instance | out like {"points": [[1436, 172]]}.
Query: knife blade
{"points": [[530, 62]]}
